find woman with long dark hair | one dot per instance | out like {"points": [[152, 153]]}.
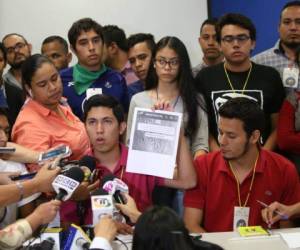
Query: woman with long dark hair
{"points": [[173, 82]]}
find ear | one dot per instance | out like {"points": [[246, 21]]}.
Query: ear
{"points": [[253, 43], [199, 38], [254, 139], [29, 45], [122, 127], [69, 57], [28, 91]]}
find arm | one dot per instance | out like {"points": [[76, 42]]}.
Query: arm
{"points": [[288, 137], [213, 144], [105, 232], [15, 234], [42, 182], [129, 119], [271, 142], [193, 218], [129, 208], [22, 154], [186, 177]]}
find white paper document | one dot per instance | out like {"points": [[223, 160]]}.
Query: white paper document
{"points": [[291, 239], [153, 142]]}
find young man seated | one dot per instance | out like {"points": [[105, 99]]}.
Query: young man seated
{"points": [[105, 124], [234, 179]]}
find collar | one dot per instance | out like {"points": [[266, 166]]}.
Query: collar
{"points": [[261, 162], [120, 164], [43, 110], [278, 48]]}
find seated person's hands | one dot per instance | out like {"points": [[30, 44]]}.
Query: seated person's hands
{"points": [[277, 211]]}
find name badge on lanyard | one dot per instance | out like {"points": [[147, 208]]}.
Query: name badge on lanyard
{"points": [[241, 217], [290, 77]]}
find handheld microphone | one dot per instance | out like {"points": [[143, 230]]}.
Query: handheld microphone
{"points": [[115, 186], [76, 239], [65, 184], [102, 204]]}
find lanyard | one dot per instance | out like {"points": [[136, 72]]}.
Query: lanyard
{"points": [[238, 185], [245, 83]]}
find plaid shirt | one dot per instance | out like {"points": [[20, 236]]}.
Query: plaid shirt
{"points": [[276, 58]]}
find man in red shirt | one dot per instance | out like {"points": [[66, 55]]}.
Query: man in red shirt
{"points": [[233, 179], [105, 124]]}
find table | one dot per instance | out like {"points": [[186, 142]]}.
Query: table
{"points": [[233, 241]]}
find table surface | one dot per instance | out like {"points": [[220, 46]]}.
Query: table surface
{"points": [[233, 241]]}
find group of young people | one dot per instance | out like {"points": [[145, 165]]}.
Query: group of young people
{"points": [[236, 120]]}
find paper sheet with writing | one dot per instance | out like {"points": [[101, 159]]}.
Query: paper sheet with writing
{"points": [[291, 239], [153, 142]]}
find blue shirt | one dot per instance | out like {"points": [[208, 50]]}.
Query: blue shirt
{"points": [[111, 82]]}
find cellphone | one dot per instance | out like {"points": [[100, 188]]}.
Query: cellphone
{"points": [[63, 151], [7, 150], [23, 177]]}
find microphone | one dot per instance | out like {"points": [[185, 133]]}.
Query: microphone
{"points": [[115, 186], [88, 161], [102, 204], [65, 184], [76, 239]]}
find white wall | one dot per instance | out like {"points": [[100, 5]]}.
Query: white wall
{"points": [[36, 19]]}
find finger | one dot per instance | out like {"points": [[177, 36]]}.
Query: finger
{"points": [[94, 185], [275, 219]]}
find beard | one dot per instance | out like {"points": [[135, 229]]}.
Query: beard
{"points": [[246, 147], [291, 44], [17, 65]]}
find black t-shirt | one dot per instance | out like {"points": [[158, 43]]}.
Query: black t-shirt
{"points": [[264, 85]]}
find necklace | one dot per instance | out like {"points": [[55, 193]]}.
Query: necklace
{"points": [[175, 103], [245, 83], [238, 185]]}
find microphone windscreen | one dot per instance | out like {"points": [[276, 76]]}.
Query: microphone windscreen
{"points": [[106, 178], [75, 173], [99, 191], [88, 161]]}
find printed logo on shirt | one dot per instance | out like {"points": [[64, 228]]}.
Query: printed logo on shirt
{"points": [[108, 85], [70, 84], [222, 96]]}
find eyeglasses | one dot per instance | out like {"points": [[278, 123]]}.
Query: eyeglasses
{"points": [[239, 38], [18, 46], [161, 62]]}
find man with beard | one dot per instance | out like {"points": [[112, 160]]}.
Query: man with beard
{"points": [[283, 55], [233, 179], [212, 54], [18, 50], [237, 76]]}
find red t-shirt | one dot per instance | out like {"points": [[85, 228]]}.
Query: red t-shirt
{"points": [[140, 188], [276, 179]]}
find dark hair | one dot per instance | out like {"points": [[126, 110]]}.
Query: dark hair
{"points": [[104, 101], [84, 24], [30, 66], [209, 21], [58, 39], [160, 228], [289, 4], [142, 37], [238, 20], [3, 49], [14, 34], [246, 110], [112, 33], [185, 82], [149, 40]]}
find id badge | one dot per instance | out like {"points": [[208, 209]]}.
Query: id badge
{"points": [[240, 217], [93, 91], [290, 77]]}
